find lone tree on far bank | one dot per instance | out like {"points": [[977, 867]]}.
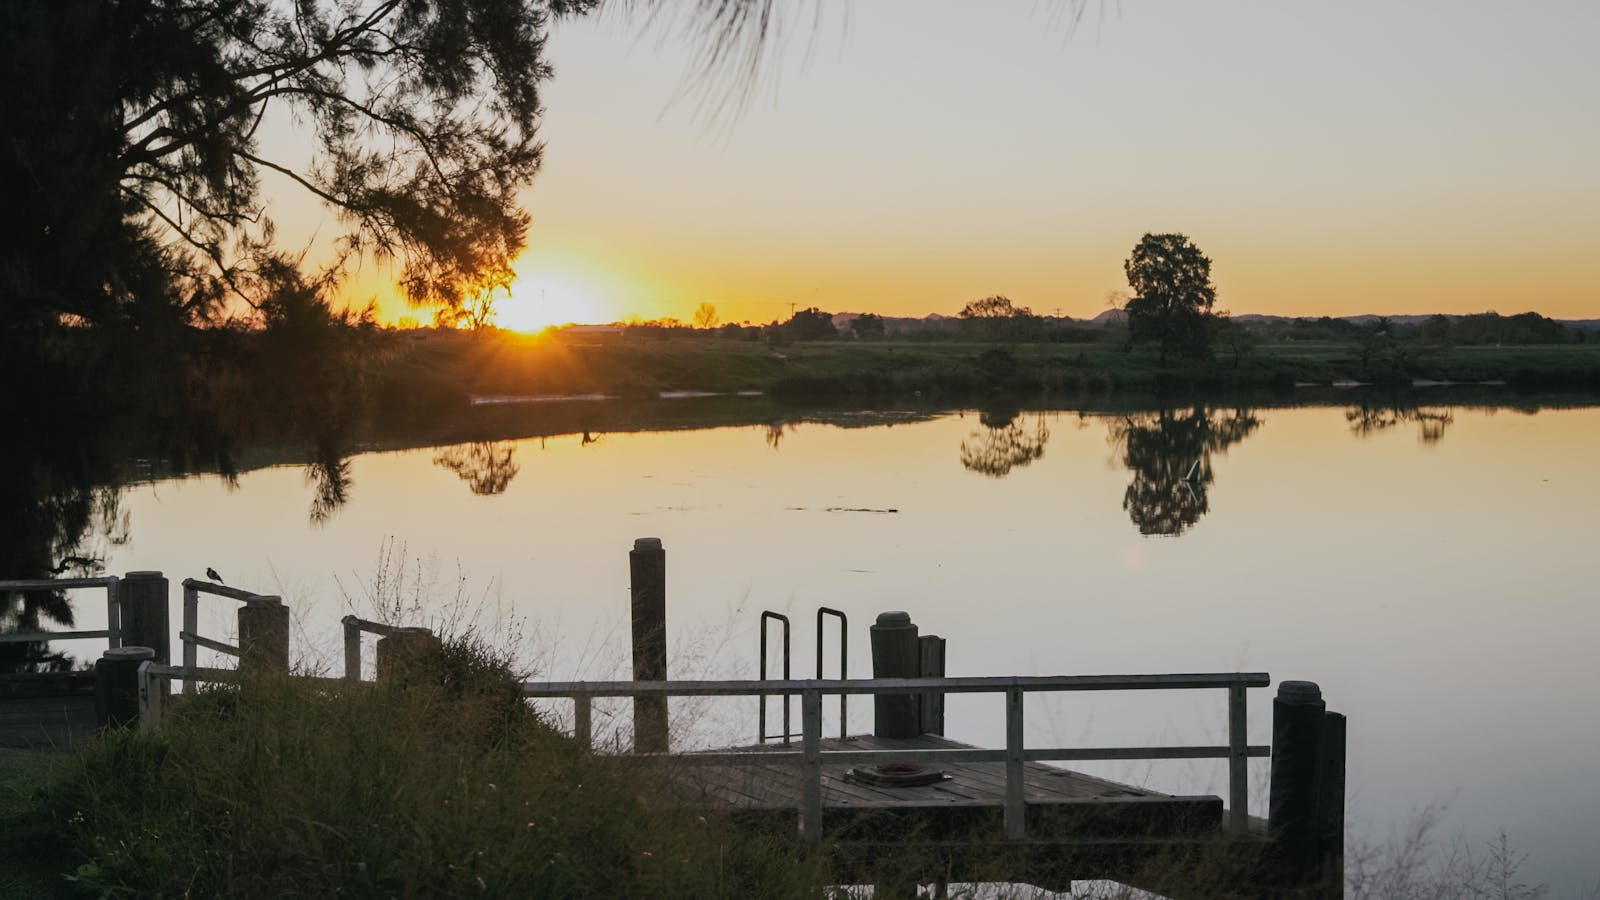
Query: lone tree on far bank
{"points": [[868, 327], [1173, 295], [705, 317], [810, 324], [996, 318]]}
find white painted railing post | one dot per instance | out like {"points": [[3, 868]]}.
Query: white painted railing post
{"points": [[191, 627], [149, 699], [1238, 764], [811, 765], [113, 612], [1016, 827]]}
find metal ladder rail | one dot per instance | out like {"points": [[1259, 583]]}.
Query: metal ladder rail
{"points": [[761, 730], [844, 659]]}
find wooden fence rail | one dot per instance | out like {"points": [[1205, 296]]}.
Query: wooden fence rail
{"points": [[810, 757], [190, 635], [353, 627], [112, 632]]}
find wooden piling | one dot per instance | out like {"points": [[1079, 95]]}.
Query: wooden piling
{"points": [[145, 619], [116, 685], [264, 636], [647, 569], [896, 653], [931, 648], [1292, 821]]}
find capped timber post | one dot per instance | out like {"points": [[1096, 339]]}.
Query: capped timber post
{"points": [[400, 651], [647, 570], [264, 636], [116, 685], [352, 648], [145, 621], [896, 653], [1292, 821]]}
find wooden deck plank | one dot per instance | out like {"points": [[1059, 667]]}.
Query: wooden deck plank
{"points": [[1042, 783], [1041, 777], [784, 786], [45, 723], [779, 784], [1060, 801]]}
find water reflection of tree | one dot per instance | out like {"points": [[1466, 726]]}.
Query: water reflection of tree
{"points": [[775, 430], [1370, 417], [486, 466], [75, 429], [1169, 453], [1003, 443], [59, 528], [329, 477], [60, 511]]}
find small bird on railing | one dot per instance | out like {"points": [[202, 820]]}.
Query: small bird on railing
{"points": [[212, 574]]}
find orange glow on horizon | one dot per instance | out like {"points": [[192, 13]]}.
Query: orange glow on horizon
{"points": [[1384, 171], [536, 303]]}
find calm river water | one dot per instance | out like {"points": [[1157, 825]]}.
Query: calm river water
{"points": [[1433, 567]]}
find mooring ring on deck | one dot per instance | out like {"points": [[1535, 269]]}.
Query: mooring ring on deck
{"points": [[896, 775]]}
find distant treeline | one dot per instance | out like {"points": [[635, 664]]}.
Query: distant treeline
{"points": [[816, 325], [1477, 329], [1022, 326]]}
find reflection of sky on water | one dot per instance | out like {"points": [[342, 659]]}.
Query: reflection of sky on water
{"points": [[1441, 591]]}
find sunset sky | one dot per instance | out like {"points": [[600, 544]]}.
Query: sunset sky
{"points": [[906, 157]]}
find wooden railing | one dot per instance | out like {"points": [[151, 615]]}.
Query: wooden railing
{"points": [[810, 757], [112, 632], [353, 627], [153, 675], [190, 633]]}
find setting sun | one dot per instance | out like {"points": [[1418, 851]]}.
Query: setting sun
{"points": [[537, 302]]}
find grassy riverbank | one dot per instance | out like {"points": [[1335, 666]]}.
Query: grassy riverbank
{"points": [[31, 860], [445, 786], [428, 367]]}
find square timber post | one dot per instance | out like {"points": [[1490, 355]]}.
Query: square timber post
{"points": [[647, 568]]}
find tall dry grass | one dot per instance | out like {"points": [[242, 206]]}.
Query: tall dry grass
{"points": [[440, 784]]}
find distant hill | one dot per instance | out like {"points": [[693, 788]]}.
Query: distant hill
{"points": [[895, 324]]}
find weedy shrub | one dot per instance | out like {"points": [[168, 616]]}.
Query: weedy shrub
{"points": [[438, 783]]}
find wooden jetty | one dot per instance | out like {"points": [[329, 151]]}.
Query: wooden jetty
{"points": [[898, 807], [1075, 825], [56, 710], [994, 814], [48, 711]]}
